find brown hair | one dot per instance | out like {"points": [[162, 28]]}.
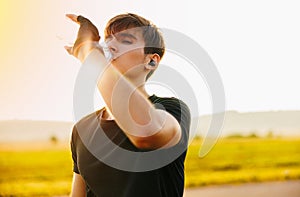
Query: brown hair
{"points": [[154, 42]]}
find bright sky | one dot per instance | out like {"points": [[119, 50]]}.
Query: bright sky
{"points": [[254, 44]]}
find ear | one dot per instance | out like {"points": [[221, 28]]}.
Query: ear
{"points": [[152, 57]]}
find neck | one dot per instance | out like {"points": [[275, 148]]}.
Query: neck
{"points": [[140, 84], [143, 91]]}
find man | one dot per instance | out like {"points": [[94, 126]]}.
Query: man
{"points": [[132, 119]]}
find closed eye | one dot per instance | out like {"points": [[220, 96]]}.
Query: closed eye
{"points": [[126, 42], [126, 38]]}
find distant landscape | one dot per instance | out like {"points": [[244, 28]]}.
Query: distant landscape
{"points": [[276, 123], [30, 130], [261, 124]]}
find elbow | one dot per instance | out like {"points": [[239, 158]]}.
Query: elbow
{"points": [[144, 143], [159, 134], [158, 140], [148, 138]]}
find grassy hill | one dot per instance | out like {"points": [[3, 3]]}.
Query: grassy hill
{"points": [[278, 123], [29, 130]]}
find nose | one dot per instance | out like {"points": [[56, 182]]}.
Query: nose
{"points": [[112, 48]]}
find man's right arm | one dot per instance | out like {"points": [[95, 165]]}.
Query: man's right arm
{"points": [[78, 186]]}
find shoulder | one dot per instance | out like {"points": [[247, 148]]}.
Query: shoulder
{"points": [[90, 118], [175, 106], [168, 101], [88, 121]]}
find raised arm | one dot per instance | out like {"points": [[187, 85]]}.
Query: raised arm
{"points": [[146, 126]]}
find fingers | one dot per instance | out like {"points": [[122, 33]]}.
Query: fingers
{"points": [[69, 49], [78, 19], [87, 32], [82, 20], [73, 18]]}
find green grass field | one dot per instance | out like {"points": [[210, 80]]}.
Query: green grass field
{"points": [[244, 160], [47, 170]]}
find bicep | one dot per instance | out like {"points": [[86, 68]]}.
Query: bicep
{"points": [[170, 132], [78, 186], [176, 127], [167, 134], [172, 119]]}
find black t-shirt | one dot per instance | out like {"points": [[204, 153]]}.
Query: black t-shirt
{"points": [[105, 181]]}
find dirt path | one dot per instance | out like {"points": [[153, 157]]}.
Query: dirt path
{"points": [[269, 189]]}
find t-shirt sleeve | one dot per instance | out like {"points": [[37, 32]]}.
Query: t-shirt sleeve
{"points": [[179, 110], [74, 137]]}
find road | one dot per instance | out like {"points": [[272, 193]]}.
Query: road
{"points": [[269, 189]]}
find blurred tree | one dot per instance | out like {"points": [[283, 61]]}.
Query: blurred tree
{"points": [[270, 134], [53, 139]]}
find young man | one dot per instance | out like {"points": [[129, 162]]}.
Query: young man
{"points": [[132, 119]]}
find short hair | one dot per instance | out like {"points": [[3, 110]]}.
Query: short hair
{"points": [[154, 42]]}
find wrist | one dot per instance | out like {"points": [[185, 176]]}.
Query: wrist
{"points": [[84, 49]]}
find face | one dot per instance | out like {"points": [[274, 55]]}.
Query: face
{"points": [[127, 48]]}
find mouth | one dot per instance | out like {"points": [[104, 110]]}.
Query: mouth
{"points": [[108, 55]]}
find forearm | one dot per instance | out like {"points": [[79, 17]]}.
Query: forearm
{"points": [[132, 110], [78, 186], [88, 47]]}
